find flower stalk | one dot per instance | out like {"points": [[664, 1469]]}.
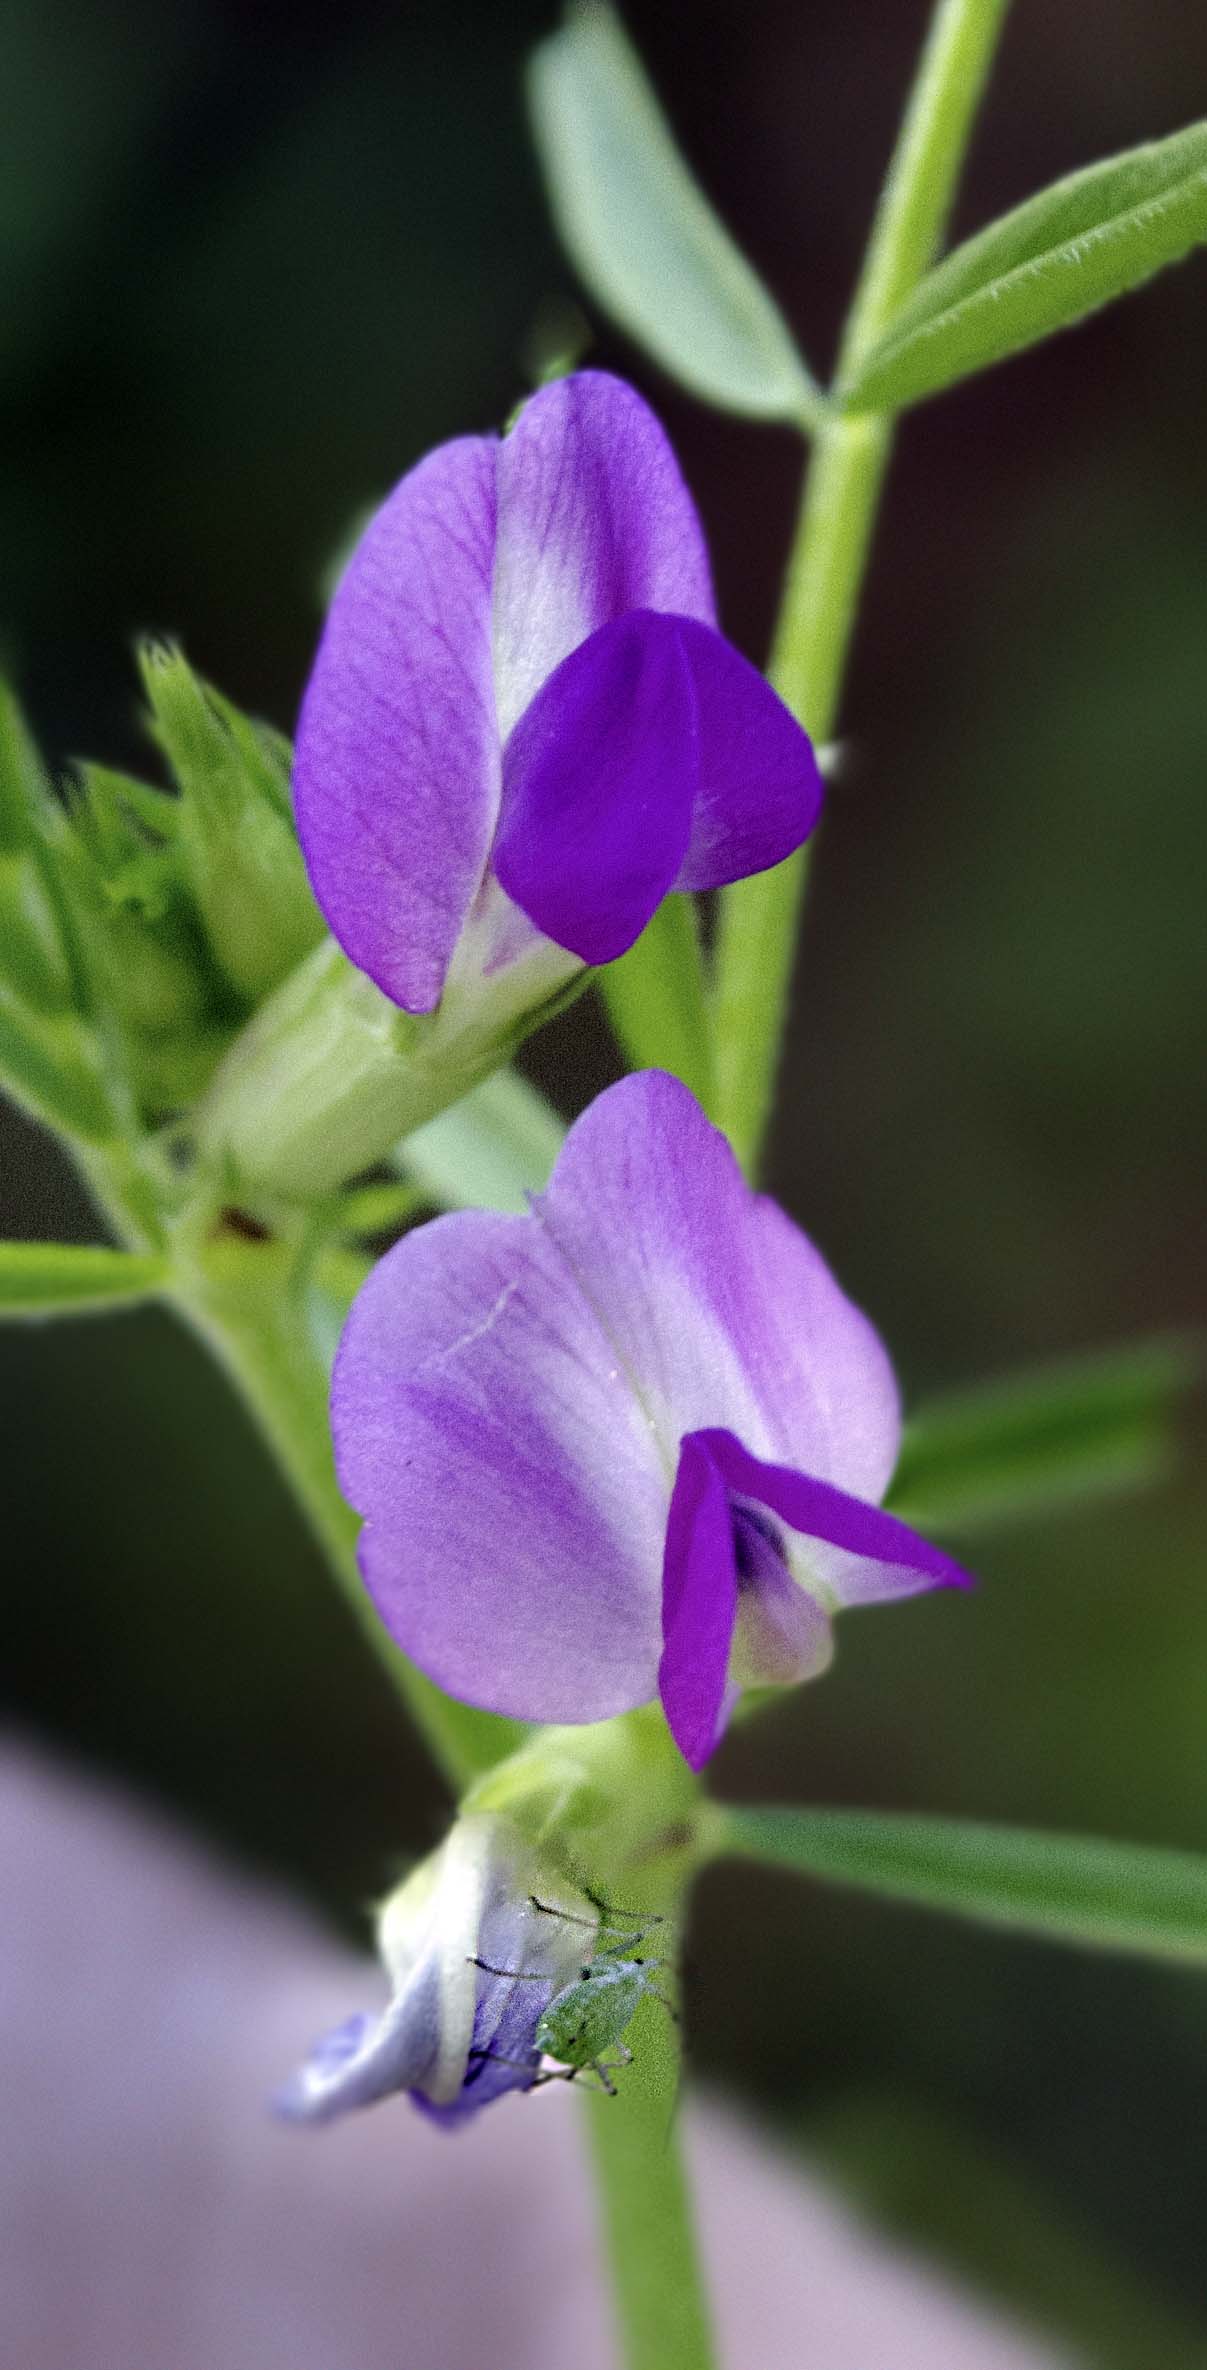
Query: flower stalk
{"points": [[760, 917]]}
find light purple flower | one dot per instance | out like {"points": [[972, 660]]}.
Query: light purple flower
{"points": [[455, 2035], [521, 701], [631, 1444]]}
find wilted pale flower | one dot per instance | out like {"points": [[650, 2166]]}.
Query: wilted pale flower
{"points": [[628, 1445], [454, 2035], [522, 725]]}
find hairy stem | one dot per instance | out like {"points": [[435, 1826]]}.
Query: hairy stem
{"points": [[759, 918]]}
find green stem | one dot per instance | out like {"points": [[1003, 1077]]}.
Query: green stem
{"points": [[645, 2206], [261, 1336], [759, 918]]}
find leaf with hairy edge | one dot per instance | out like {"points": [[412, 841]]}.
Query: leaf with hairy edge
{"points": [[642, 235], [1077, 245], [1065, 1888], [67, 1280]]}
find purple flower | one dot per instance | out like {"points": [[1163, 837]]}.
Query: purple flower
{"points": [[631, 1444], [521, 701], [454, 2035]]}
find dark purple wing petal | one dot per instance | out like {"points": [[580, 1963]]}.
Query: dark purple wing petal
{"points": [[396, 781], [599, 782], [890, 1560], [594, 519], [514, 1500], [699, 1604], [760, 792]]}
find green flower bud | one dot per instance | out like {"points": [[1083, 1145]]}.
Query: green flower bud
{"points": [[237, 840]]}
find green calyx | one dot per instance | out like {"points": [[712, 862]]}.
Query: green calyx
{"points": [[615, 1799], [328, 1075]]}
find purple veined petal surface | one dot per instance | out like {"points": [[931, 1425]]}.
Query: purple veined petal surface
{"points": [[886, 1559], [599, 786], [594, 519], [759, 792], [513, 1497], [699, 1604], [396, 778], [718, 1306]]}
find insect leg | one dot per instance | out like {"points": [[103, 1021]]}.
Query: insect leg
{"points": [[513, 1974], [663, 2001]]}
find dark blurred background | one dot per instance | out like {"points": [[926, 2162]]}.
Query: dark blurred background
{"points": [[255, 260]]}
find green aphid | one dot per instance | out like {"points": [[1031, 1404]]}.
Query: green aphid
{"points": [[584, 2025]]}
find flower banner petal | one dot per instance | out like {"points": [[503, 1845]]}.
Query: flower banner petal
{"points": [[599, 779], [594, 519], [760, 790], [699, 1604], [513, 1500], [712, 1297], [396, 779]]}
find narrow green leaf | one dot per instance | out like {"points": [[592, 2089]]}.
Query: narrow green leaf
{"points": [[1055, 1436], [1067, 1888], [656, 998], [61, 1280], [642, 235], [1077, 245], [489, 1151]]}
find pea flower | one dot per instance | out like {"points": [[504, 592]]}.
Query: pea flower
{"points": [[455, 2035], [522, 725], [628, 1445]]}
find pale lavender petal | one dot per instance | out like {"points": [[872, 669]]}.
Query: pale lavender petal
{"points": [[760, 791], [396, 781], [594, 519], [888, 1558], [513, 1498], [364, 2060], [599, 782], [718, 1306], [699, 1604]]}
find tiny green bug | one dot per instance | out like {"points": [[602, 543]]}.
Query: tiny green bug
{"points": [[589, 2017]]}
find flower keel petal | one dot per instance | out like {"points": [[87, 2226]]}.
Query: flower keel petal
{"points": [[760, 791], [888, 1558], [599, 782]]}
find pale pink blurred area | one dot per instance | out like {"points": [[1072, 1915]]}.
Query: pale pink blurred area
{"points": [[153, 2216]]}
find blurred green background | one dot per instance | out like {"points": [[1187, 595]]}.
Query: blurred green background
{"points": [[255, 261]]}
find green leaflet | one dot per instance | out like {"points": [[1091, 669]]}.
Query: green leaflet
{"points": [[1085, 240], [1055, 1436], [642, 235], [1066, 1888], [64, 1280], [656, 998]]}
